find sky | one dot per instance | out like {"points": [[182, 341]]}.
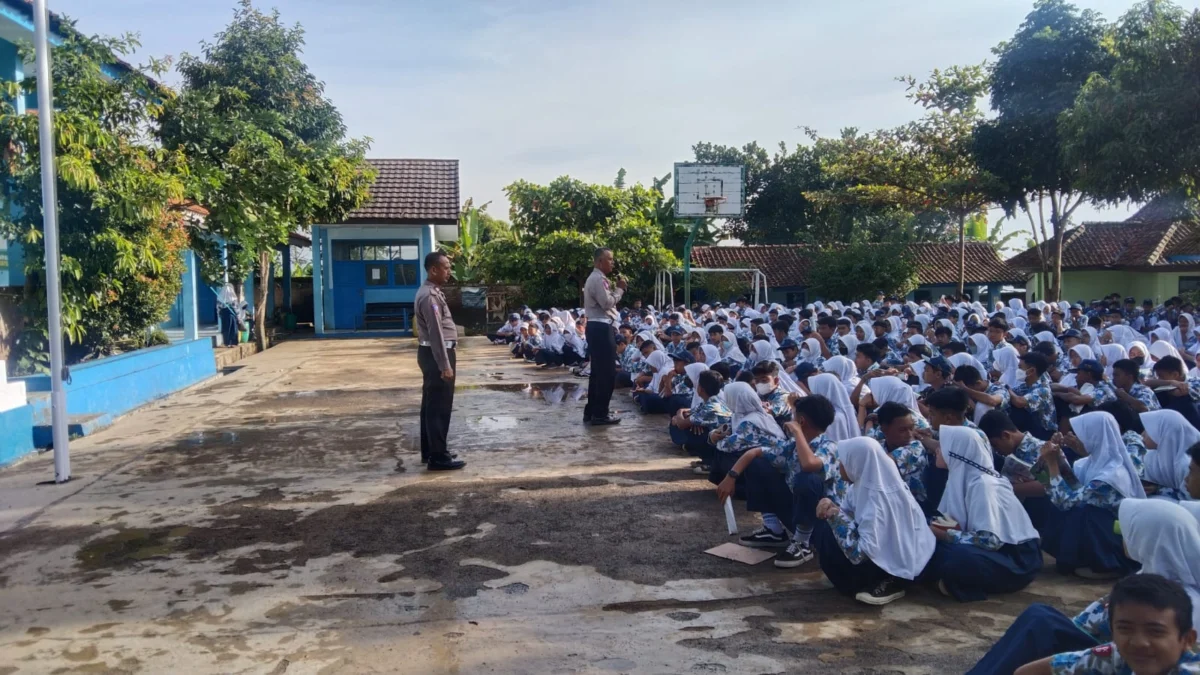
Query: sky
{"points": [[536, 89]]}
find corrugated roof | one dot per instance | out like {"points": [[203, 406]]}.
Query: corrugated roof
{"points": [[411, 190], [937, 263]]}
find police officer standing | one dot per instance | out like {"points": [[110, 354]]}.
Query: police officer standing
{"points": [[600, 300], [435, 355]]}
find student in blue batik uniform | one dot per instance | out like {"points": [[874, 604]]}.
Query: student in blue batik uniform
{"points": [[651, 396], [785, 480], [1081, 537], [766, 383], [1031, 404], [751, 427], [1162, 536], [1089, 371], [1169, 465], [676, 345], [877, 540], [691, 426], [1126, 379], [994, 547], [627, 362], [1131, 428], [896, 434]]}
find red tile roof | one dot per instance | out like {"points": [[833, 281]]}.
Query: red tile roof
{"points": [[788, 264], [413, 191], [1122, 245]]}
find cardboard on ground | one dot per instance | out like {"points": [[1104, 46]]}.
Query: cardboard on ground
{"points": [[739, 553]]}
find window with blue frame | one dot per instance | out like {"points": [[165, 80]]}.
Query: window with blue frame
{"points": [[391, 263]]}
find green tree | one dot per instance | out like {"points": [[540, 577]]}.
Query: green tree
{"points": [[923, 166], [120, 244], [1036, 76], [977, 230], [1134, 132], [267, 151], [861, 270], [675, 231]]}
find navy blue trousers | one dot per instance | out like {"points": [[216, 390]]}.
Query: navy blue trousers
{"points": [[767, 491], [1039, 632], [972, 573], [653, 404], [845, 576], [1083, 538], [1029, 423], [935, 485], [697, 445]]}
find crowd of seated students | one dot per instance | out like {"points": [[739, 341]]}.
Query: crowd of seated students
{"points": [[943, 445]]}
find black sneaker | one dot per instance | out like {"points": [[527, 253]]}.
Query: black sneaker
{"points": [[796, 555], [764, 538], [888, 590]]}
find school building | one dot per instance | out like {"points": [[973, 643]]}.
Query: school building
{"points": [[787, 267], [1154, 254]]}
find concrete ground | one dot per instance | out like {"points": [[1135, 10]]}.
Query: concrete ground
{"points": [[277, 520]]}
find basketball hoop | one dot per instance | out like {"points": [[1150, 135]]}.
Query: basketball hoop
{"points": [[712, 205]]}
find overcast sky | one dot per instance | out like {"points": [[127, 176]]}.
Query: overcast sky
{"points": [[536, 89]]}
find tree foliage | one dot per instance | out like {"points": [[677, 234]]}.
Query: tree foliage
{"points": [[266, 150], [120, 243], [861, 270], [556, 229], [1134, 131]]}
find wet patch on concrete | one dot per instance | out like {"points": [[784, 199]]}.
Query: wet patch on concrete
{"points": [[130, 547]]}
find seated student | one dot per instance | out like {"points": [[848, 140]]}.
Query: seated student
{"points": [[810, 351], [1153, 633], [785, 481], [790, 351], [896, 434], [984, 395], [549, 354], [845, 371], [1089, 377], [519, 343], [695, 349], [845, 423], [1163, 537], [866, 357], [750, 427], [1169, 371], [575, 352], [690, 427], [676, 345], [766, 383], [1167, 465], [1081, 536], [643, 375], [627, 362], [653, 396], [994, 547], [877, 540], [889, 357], [1031, 405], [507, 334], [937, 373], [1132, 429], [1126, 380]]}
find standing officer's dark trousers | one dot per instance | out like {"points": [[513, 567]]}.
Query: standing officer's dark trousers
{"points": [[437, 400], [602, 345]]}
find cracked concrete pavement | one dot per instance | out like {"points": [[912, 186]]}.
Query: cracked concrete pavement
{"points": [[277, 520]]}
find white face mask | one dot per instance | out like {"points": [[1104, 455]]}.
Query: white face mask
{"points": [[764, 389]]}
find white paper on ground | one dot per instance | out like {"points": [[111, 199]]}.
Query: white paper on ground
{"points": [[739, 553], [730, 519]]}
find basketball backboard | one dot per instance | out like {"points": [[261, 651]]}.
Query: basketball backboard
{"points": [[709, 190]]}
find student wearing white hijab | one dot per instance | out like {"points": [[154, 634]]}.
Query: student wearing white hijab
{"points": [[1163, 537], [993, 548], [845, 423], [1183, 336], [650, 398], [1081, 538], [845, 371], [712, 355], [690, 428], [1006, 361], [751, 427], [1110, 354], [965, 359], [1167, 465], [878, 540]]}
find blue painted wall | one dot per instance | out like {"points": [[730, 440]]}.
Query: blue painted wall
{"points": [[114, 386], [16, 434]]}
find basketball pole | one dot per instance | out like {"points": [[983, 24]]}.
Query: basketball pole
{"points": [[687, 264]]}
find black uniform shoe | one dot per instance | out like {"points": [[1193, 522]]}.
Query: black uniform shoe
{"points": [[765, 538], [447, 464], [888, 590], [605, 421], [796, 555], [452, 455]]}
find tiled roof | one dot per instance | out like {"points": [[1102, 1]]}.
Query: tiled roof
{"points": [[1123, 245], [1165, 209], [788, 264], [411, 190]]}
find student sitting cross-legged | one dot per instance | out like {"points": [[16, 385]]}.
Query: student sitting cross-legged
{"points": [[751, 427], [1081, 538], [991, 547], [1153, 634], [669, 388], [690, 427], [785, 479], [878, 539], [1163, 537]]}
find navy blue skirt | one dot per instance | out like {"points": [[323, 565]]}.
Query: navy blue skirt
{"points": [[1039, 632], [653, 404], [697, 445], [1083, 538], [846, 577], [972, 573]]}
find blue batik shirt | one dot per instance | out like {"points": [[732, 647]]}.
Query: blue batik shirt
{"points": [[777, 402], [1102, 393], [629, 360], [681, 384], [1040, 400], [1136, 446], [910, 459], [1105, 660], [1030, 449], [1096, 493], [1146, 395], [745, 437], [710, 414]]}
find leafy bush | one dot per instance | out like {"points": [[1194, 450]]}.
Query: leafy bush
{"points": [[862, 270]]}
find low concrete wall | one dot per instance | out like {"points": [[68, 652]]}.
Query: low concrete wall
{"points": [[16, 434], [100, 391]]}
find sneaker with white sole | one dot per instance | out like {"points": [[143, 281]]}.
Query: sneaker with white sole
{"points": [[701, 470], [797, 554], [764, 538], [886, 591]]}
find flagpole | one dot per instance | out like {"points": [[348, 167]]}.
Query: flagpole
{"points": [[45, 111]]}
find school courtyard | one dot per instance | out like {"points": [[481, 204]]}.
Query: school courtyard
{"points": [[277, 520]]}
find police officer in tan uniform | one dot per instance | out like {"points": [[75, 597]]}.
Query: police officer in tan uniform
{"points": [[600, 298], [438, 338]]}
